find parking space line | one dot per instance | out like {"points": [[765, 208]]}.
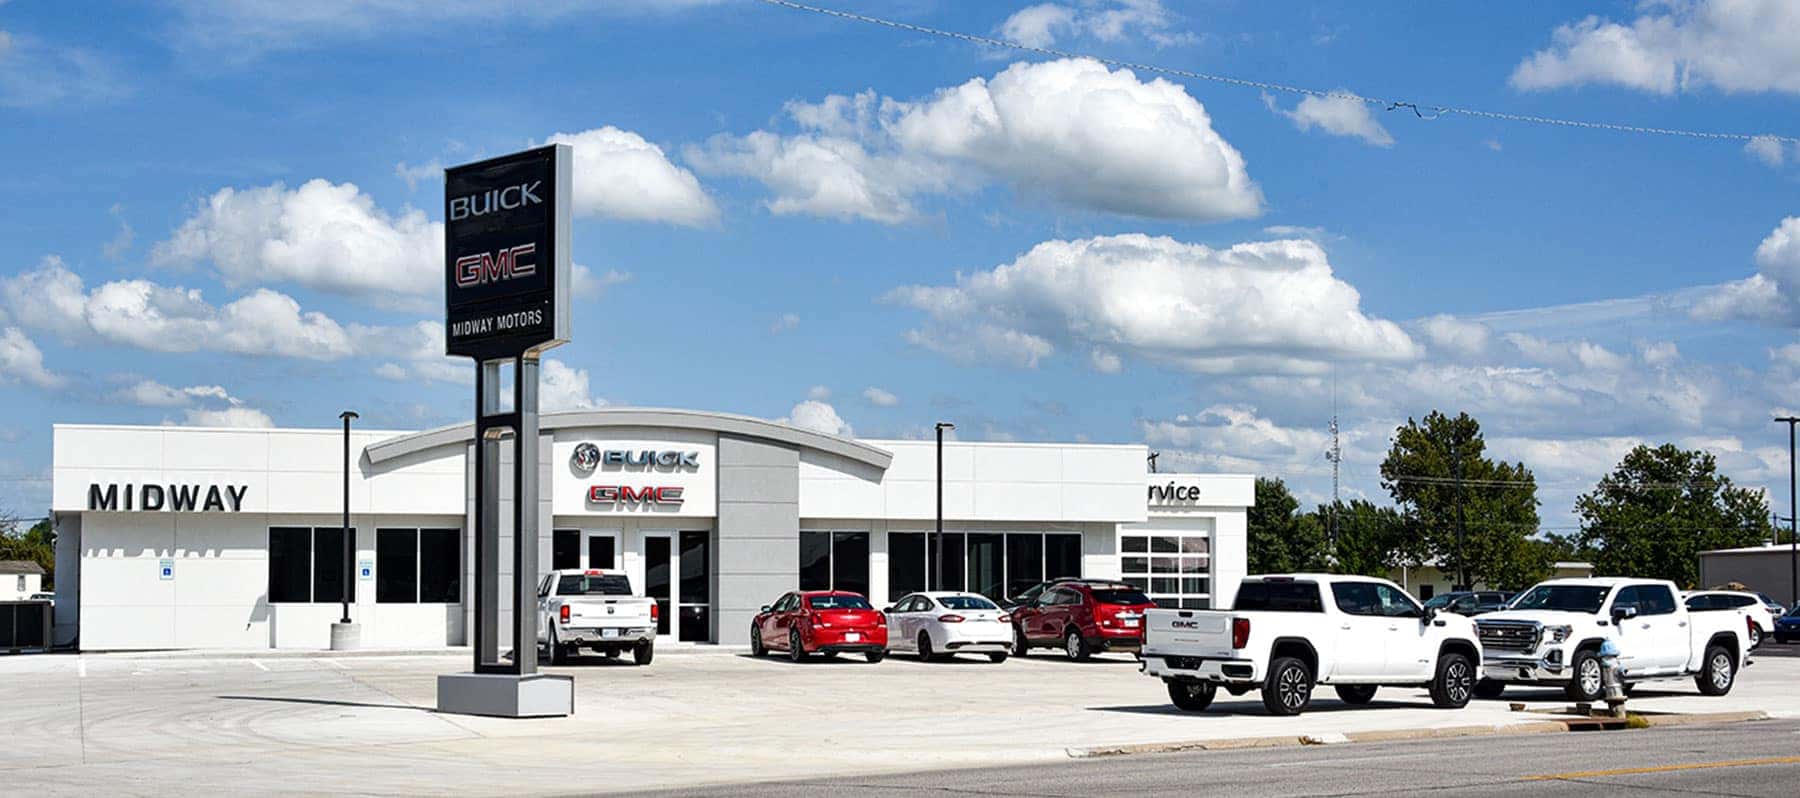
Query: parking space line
{"points": [[335, 664], [81, 667], [259, 665], [1730, 763]]}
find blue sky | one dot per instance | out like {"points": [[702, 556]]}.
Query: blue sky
{"points": [[224, 212]]}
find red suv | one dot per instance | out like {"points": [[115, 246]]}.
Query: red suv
{"points": [[828, 622], [1082, 616]]}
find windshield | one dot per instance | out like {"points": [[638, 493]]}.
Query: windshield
{"points": [[598, 585], [1116, 596], [1565, 598], [966, 603], [1279, 597], [1793, 613], [839, 603], [1439, 602]]}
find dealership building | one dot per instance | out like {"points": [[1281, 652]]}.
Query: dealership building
{"points": [[180, 537]]}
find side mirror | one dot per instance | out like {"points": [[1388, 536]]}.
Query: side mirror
{"points": [[888, 609], [765, 608], [1623, 613], [1429, 614]]}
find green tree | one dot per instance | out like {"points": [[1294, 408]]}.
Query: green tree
{"points": [[1370, 540], [1436, 466], [1281, 538], [1660, 508], [37, 544]]}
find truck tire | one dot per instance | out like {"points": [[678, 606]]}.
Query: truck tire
{"points": [[1585, 680], [1021, 645], [1455, 682], [796, 651], [1718, 671], [643, 653], [1489, 689], [757, 649], [1356, 693], [997, 657], [925, 652], [1287, 690], [1191, 696], [1756, 636], [557, 657], [1074, 646]]}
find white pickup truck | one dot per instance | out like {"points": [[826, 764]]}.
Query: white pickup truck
{"points": [[1288, 633], [596, 609], [1551, 634]]}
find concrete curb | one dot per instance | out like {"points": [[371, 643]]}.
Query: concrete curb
{"points": [[1557, 726]]}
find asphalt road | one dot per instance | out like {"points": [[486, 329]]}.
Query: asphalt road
{"points": [[1744, 759]]}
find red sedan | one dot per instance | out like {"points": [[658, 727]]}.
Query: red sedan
{"points": [[828, 622]]}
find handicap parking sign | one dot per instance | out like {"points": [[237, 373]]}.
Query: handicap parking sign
{"points": [[365, 569], [166, 570]]}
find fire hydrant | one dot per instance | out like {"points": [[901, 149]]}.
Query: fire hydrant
{"points": [[1612, 687]]}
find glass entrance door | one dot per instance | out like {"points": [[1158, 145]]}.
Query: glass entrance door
{"points": [[657, 569], [694, 563]]}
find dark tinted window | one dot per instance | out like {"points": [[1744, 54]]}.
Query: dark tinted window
{"points": [[906, 562], [850, 561], [1700, 603], [1279, 597], [1655, 600], [1062, 556], [598, 585], [440, 566], [837, 602], [396, 566], [967, 603], [1057, 598], [815, 560], [1567, 598], [945, 562], [290, 564], [565, 549], [1360, 598], [600, 552], [1024, 562], [328, 565], [1119, 596]]}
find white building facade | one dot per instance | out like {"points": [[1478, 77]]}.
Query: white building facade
{"points": [[173, 537]]}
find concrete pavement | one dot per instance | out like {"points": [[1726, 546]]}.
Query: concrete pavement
{"points": [[137, 724]]}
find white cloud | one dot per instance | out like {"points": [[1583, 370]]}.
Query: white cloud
{"points": [[1271, 306], [1336, 114], [562, 387], [817, 416], [1070, 131], [431, 171], [420, 350], [1770, 150], [785, 322], [1105, 361], [1044, 24], [1236, 438], [40, 74], [1674, 46], [818, 392], [1568, 353], [150, 393], [121, 241], [879, 397], [149, 316], [588, 285], [21, 360], [1772, 295], [1455, 336], [235, 416], [619, 175], [325, 236]]}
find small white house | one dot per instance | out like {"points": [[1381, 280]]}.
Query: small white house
{"points": [[20, 579], [1429, 580]]}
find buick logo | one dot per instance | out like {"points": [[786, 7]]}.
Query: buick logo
{"points": [[586, 457]]}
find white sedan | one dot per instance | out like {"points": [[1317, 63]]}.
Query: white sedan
{"points": [[941, 624]]}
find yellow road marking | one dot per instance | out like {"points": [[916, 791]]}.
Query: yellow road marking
{"points": [[1731, 763]]}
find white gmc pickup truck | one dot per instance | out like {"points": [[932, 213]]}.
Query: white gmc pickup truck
{"points": [[595, 609], [1551, 634], [1288, 633]]}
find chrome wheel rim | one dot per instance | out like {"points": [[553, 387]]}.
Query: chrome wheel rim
{"points": [[1458, 681], [1072, 646], [1590, 677], [1291, 687], [1721, 671]]}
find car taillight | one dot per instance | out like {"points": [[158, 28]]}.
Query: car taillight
{"points": [[950, 618], [1750, 624], [1240, 632], [818, 619], [1004, 618], [655, 611], [565, 613], [880, 619]]}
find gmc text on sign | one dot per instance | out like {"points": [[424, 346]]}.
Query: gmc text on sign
{"points": [[506, 254]]}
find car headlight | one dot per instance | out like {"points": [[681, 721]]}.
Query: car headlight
{"points": [[1558, 634]]}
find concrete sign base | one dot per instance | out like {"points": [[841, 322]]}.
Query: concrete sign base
{"points": [[501, 695], [346, 636]]}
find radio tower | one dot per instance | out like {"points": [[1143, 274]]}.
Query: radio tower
{"points": [[1336, 455]]}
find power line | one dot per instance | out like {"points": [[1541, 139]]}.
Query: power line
{"points": [[1425, 111]]}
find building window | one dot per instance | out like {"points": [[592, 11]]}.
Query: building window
{"points": [[565, 550], [21, 587], [1174, 568], [601, 552], [307, 565], [418, 566], [834, 561], [995, 564]]}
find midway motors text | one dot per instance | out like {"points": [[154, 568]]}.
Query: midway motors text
{"points": [[506, 321], [496, 199]]}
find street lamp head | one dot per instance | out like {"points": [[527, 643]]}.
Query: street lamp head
{"points": [[348, 414], [945, 425], [1787, 419]]}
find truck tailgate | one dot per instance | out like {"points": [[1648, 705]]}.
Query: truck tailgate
{"points": [[1188, 633], [593, 612]]}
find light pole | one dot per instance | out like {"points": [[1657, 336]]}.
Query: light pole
{"points": [[937, 564], [349, 534], [1793, 545]]}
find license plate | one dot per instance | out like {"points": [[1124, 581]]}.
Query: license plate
{"points": [[851, 637], [608, 633], [1131, 622]]}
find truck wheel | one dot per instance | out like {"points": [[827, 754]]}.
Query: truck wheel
{"points": [[796, 652], [643, 653], [875, 657], [1192, 696], [997, 657], [1356, 693], [757, 649], [1287, 690], [925, 652], [1587, 683], [1755, 636], [1074, 647], [1455, 682], [1489, 689], [1021, 646], [1719, 672], [557, 657]]}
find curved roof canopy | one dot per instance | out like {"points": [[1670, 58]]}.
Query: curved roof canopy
{"points": [[727, 423]]}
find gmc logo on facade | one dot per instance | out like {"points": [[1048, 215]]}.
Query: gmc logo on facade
{"points": [[494, 267], [626, 494]]}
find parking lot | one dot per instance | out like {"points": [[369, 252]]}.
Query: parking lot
{"points": [[137, 724]]}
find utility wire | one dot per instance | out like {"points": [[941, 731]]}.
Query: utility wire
{"points": [[1426, 111]]}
